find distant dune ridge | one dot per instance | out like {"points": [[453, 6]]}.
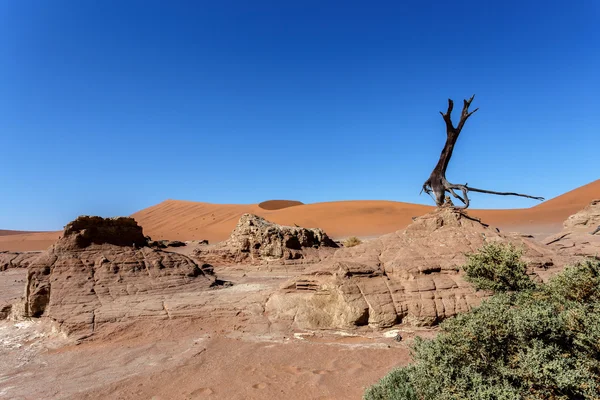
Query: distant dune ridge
{"points": [[188, 220], [6, 232]]}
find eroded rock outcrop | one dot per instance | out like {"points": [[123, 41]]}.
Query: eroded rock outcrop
{"points": [[16, 259], [580, 236], [102, 271], [410, 276], [256, 240]]}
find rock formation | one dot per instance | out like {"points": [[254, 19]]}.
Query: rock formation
{"points": [[410, 276], [16, 259], [256, 240], [580, 236], [102, 271]]}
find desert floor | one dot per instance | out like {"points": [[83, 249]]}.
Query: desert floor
{"points": [[222, 355]]}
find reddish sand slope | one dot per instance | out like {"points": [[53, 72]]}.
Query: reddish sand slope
{"points": [[6, 232], [546, 217], [574, 200], [187, 220], [28, 241]]}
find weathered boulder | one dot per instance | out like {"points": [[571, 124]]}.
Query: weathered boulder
{"points": [[16, 259], [411, 276], [88, 230], [580, 236], [256, 240], [586, 220], [102, 271]]}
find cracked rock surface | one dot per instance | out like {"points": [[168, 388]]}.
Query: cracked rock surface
{"points": [[411, 276], [101, 271], [256, 240], [10, 259], [580, 236]]}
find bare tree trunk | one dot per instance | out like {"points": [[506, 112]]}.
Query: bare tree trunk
{"points": [[437, 185]]}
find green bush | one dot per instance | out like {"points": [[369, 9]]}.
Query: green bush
{"points": [[394, 386], [541, 343], [499, 268]]}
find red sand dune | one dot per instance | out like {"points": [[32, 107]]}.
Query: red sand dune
{"points": [[187, 220], [6, 232], [28, 241], [574, 200]]}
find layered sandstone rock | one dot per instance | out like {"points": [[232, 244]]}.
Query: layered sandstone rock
{"points": [[580, 236], [16, 260], [256, 240], [102, 271], [410, 276]]}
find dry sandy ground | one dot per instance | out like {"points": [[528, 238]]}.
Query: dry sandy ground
{"points": [[184, 360], [187, 220], [215, 356]]}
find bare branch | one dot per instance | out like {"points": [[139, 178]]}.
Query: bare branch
{"points": [[450, 107], [448, 117], [465, 113], [558, 238], [504, 193], [437, 185]]}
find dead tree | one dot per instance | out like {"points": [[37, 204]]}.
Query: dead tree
{"points": [[437, 185]]}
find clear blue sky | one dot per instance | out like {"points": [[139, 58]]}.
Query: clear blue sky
{"points": [[108, 107]]}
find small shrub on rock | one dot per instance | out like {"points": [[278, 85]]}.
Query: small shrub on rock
{"points": [[352, 241], [498, 267]]}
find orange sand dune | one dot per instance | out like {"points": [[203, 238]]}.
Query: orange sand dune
{"points": [[574, 200], [545, 217], [6, 232], [28, 241], [187, 220]]}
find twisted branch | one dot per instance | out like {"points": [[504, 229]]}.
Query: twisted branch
{"points": [[437, 185]]}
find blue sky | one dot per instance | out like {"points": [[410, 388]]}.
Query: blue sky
{"points": [[110, 107]]}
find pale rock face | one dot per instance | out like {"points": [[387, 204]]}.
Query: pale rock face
{"points": [[586, 220], [580, 236], [98, 272], [411, 276], [256, 240]]}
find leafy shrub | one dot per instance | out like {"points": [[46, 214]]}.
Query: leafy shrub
{"points": [[498, 267], [542, 343], [352, 241], [394, 386]]}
